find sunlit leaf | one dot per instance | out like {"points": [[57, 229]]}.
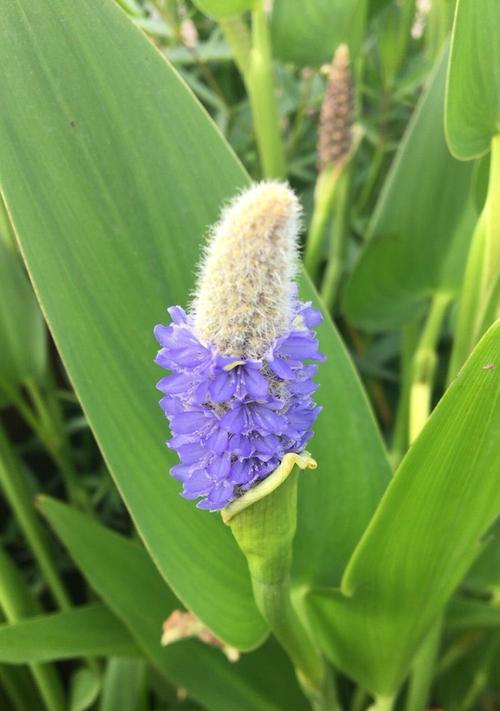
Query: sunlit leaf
{"points": [[308, 32], [121, 203], [123, 575], [123, 685], [84, 689], [424, 534], [103, 202], [22, 330], [90, 630], [473, 93], [420, 231]]}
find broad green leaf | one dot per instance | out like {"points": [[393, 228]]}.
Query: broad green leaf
{"points": [[123, 575], [307, 33], [22, 330], [225, 8], [110, 205], [352, 473], [424, 534], [422, 225], [85, 685], [473, 92], [123, 203], [85, 631], [124, 684]]}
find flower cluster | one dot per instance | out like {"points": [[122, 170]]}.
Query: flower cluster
{"points": [[234, 412]]}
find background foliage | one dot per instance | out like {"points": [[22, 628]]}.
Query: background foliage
{"points": [[126, 126]]}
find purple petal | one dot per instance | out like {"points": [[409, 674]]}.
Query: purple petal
{"points": [[235, 421], [312, 317], [218, 440], [220, 466], [240, 445], [300, 346], [187, 422], [198, 484], [280, 367], [221, 495], [266, 420], [163, 334], [222, 387], [175, 384], [177, 314], [191, 452], [256, 384], [241, 471]]}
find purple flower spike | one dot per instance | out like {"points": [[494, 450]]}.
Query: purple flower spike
{"points": [[239, 393]]}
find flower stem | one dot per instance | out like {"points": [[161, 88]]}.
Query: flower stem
{"points": [[333, 273], [253, 56], [260, 80], [19, 498], [324, 195], [423, 671], [382, 703], [264, 531], [51, 432], [424, 365], [400, 432]]}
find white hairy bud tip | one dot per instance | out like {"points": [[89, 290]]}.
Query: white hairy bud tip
{"points": [[243, 298]]}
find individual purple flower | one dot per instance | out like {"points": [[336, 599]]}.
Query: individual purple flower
{"points": [[239, 393]]}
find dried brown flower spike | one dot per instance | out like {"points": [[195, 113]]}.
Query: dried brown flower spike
{"points": [[335, 129]]}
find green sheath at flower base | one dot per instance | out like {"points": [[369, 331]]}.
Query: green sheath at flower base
{"points": [[263, 522]]}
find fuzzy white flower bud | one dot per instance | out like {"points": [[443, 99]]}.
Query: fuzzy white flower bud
{"points": [[243, 297]]}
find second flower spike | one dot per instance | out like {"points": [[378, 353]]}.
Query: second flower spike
{"points": [[239, 396]]}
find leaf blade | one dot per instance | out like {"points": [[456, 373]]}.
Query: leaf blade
{"points": [[102, 164], [415, 247], [421, 540], [90, 630], [473, 87]]}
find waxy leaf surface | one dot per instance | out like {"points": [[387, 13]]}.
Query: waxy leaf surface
{"points": [[91, 630], [110, 206], [121, 572], [307, 33], [473, 93], [419, 234], [424, 534]]}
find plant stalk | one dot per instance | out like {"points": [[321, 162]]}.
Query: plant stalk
{"points": [[424, 365], [423, 671], [400, 434], [324, 195], [264, 530], [480, 295], [382, 703], [253, 56], [16, 603], [19, 498], [335, 265], [50, 429]]}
